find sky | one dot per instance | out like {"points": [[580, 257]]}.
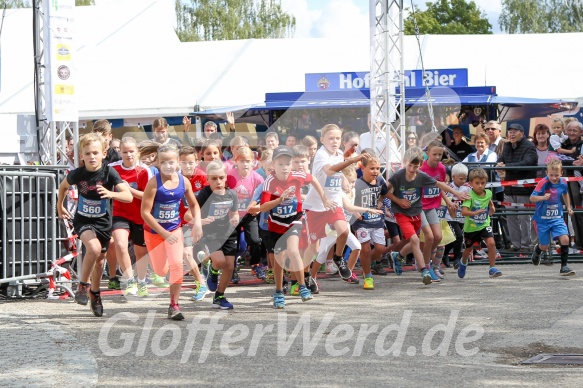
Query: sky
{"points": [[338, 18]]}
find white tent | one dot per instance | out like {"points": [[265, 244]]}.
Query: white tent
{"points": [[131, 64]]}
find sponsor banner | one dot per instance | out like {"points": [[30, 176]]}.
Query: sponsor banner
{"points": [[329, 82], [61, 102]]}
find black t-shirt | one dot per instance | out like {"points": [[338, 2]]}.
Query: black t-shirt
{"points": [[92, 209], [217, 206], [112, 156]]}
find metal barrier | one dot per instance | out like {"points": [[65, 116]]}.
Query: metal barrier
{"points": [[31, 236]]}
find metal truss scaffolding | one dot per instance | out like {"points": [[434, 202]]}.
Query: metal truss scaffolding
{"points": [[387, 76]]}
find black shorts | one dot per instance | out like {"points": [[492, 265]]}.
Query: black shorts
{"points": [[226, 245], [104, 236], [279, 241], [136, 231], [266, 239], [481, 235], [393, 229]]}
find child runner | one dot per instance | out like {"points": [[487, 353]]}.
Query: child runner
{"points": [[161, 214], [459, 178], [244, 181], [548, 215], [211, 150], [218, 206], [328, 163], [128, 224], [369, 227], [197, 178], [407, 184], [282, 198], [92, 221], [477, 211]]}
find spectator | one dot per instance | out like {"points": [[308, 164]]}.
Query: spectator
{"points": [[378, 143], [412, 140], [492, 129], [518, 152], [459, 147], [542, 134], [291, 141], [350, 142], [574, 131], [160, 128], [483, 153], [271, 140]]}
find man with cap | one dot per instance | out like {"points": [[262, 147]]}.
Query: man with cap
{"points": [[518, 151]]}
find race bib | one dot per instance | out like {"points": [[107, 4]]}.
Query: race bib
{"points": [[243, 204], [92, 208], [166, 212], [220, 210], [287, 208], [371, 217], [431, 192], [481, 218], [550, 212], [410, 194], [441, 211], [333, 182]]}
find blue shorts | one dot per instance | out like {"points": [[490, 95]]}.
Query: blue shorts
{"points": [[545, 228]]}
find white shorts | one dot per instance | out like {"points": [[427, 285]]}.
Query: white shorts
{"points": [[328, 242], [377, 235]]}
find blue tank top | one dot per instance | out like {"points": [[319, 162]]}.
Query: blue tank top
{"points": [[166, 209]]}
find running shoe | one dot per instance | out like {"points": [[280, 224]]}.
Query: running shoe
{"points": [[222, 303], [200, 256], [494, 272], [312, 285], [345, 272], [434, 277], [461, 270], [257, 271], [96, 305], [114, 284], [352, 280], [131, 288], [235, 278], [437, 272], [278, 300], [331, 268], [426, 276], [212, 281], [269, 276], [378, 269], [174, 313], [82, 295], [322, 268], [159, 281], [535, 258], [368, 284], [143, 290], [397, 263], [546, 259], [205, 266], [566, 271], [305, 294], [201, 291], [295, 289]]}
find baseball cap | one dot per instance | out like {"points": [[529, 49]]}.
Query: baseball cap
{"points": [[282, 150], [517, 127]]}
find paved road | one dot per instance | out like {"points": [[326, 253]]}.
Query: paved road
{"points": [[473, 332]]}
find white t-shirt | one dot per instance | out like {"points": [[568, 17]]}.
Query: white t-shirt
{"points": [[332, 184]]}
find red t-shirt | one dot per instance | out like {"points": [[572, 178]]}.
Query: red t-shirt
{"points": [[134, 176], [289, 212], [198, 181]]}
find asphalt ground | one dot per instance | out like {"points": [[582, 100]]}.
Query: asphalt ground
{"points": [[471, 332]]}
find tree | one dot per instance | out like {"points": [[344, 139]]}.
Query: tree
{"points": [[541, 16], [449, 17], [232, 19], [25, 3]]}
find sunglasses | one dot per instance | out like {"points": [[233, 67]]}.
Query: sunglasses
{"points": [[490, 129]]}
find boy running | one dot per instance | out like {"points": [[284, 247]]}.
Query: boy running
{"points": [[92, 221], [477, 211], [548, 215]]}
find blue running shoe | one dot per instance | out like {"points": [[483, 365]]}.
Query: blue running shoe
{"points": [[222, 303], [258, 271], [201, 291], [426, 276], [434, 277], [212, 281], [461, 270], [397, 263], [305, 293], [494, 272], [278, 300]]}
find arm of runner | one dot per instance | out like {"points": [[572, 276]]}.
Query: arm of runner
{"points": [[61, 209]]}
